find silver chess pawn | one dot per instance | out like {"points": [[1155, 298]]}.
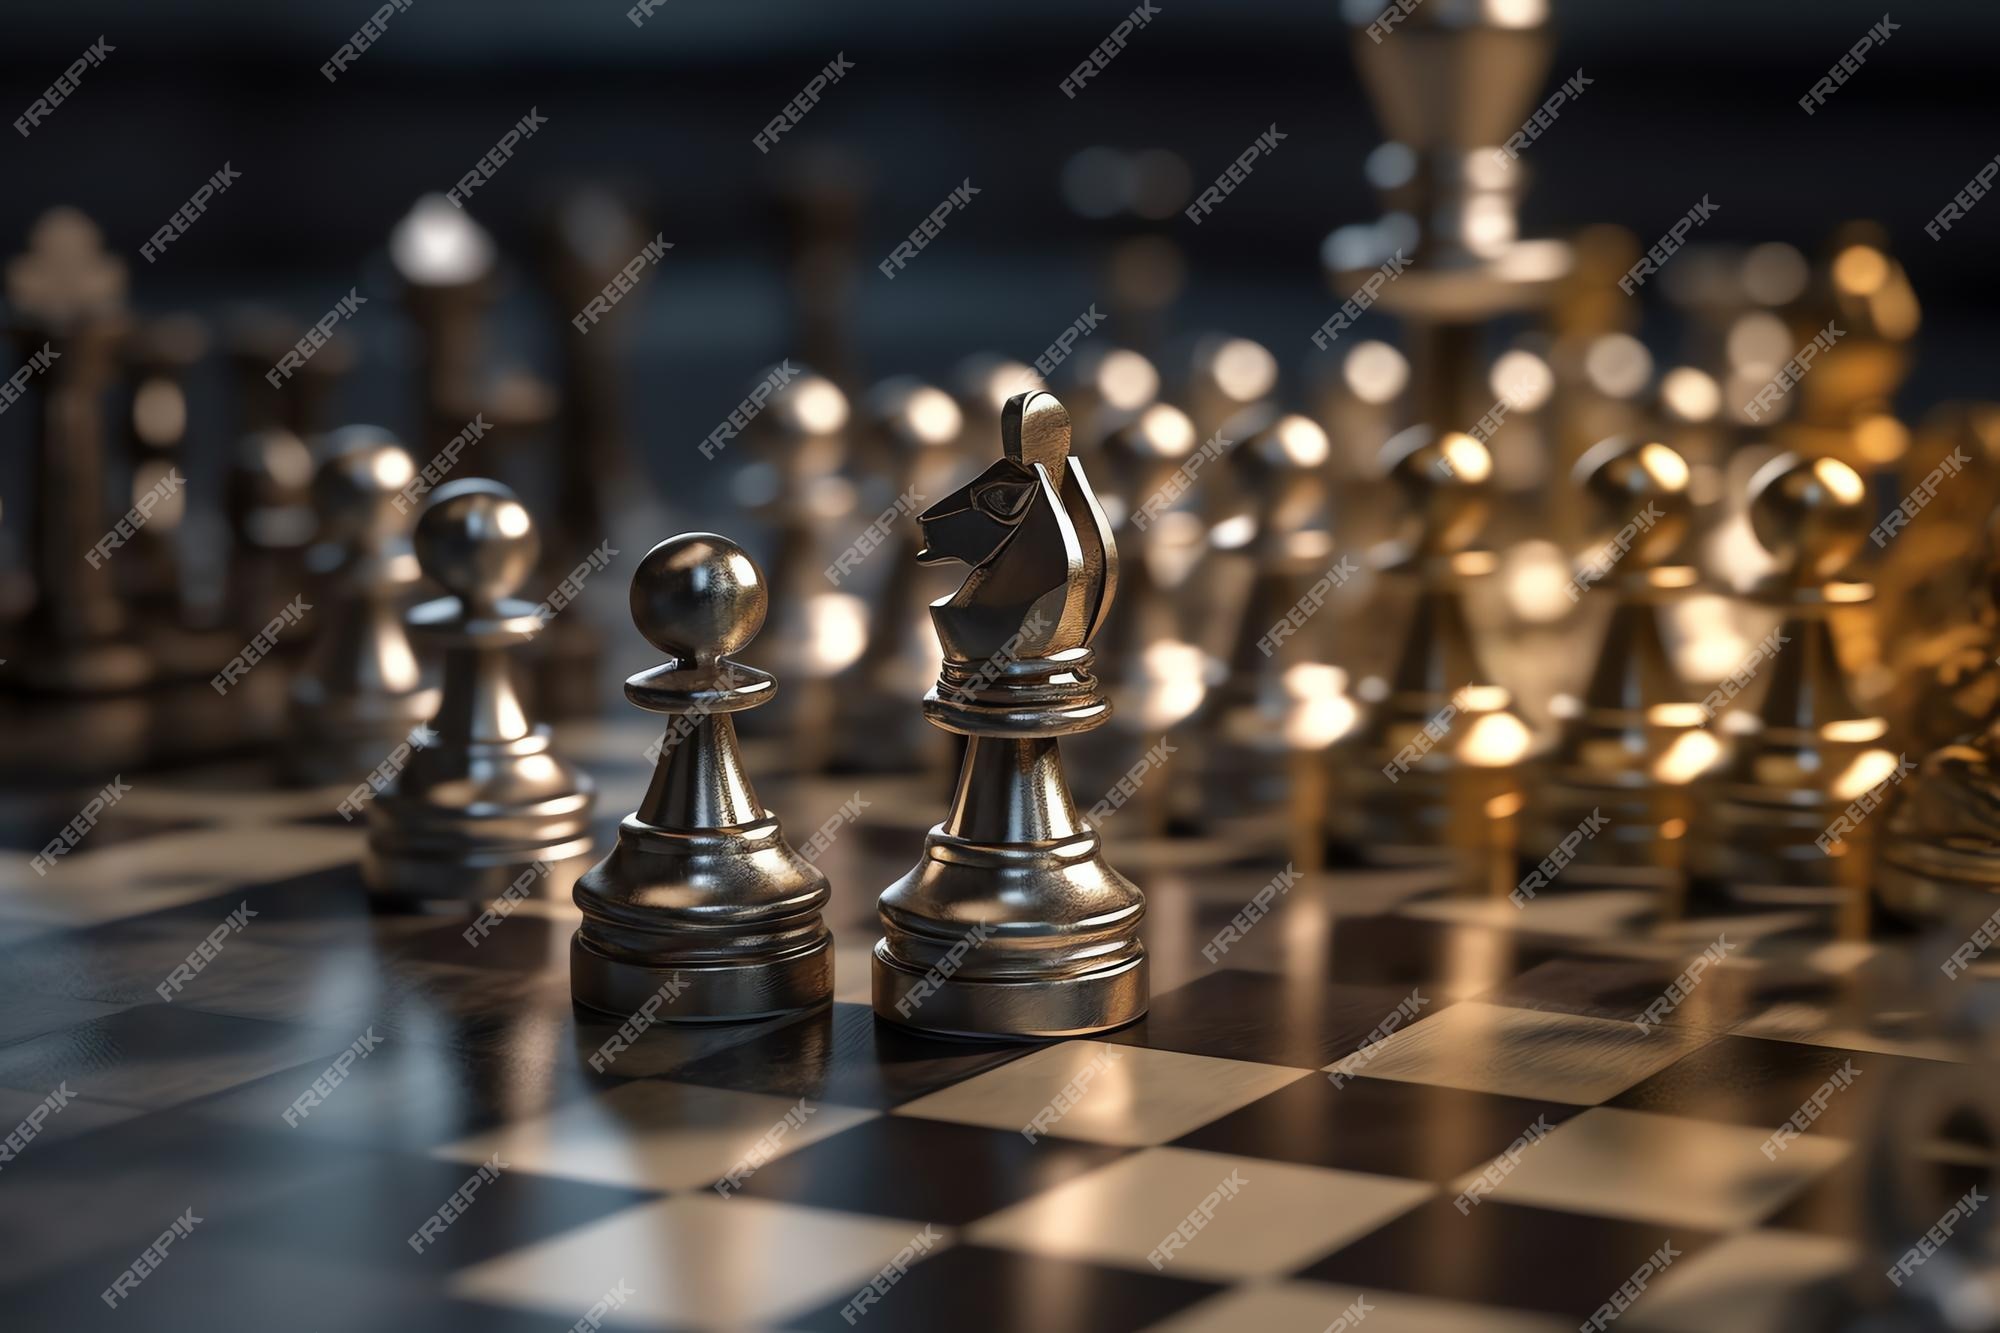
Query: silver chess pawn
{"points": [[1013, 924], [702, 894], [484, 799], [360, 691]]}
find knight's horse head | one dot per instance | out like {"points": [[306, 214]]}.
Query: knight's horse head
{"points": [[1043, 563]]}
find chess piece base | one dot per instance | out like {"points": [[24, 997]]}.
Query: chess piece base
{"points": [[738, 992], [417, 873], [1009, 1010]]}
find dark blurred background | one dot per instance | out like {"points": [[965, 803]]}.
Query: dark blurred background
{"points": [[1690, 97]]}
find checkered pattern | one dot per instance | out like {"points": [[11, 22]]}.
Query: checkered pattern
{"points": [[1204, 1169]]}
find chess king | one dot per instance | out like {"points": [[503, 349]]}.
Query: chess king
{"points": [[1013, 924]]}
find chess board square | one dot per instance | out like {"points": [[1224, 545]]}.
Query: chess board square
{"points": [[843, 1054], [1261, 1218], [1620, 989], [1498, 1254], [1760, 1279], [1320, 1305], [1442, 958], [64, 1114], [658, 1134], [1662, 1169], [157, 1055], [1274, 1019], [1524, 1053], [25, 1014], [1415, 1130], [924, 1170], [1101, 1093], [28, 827], [369, 1215], [1841, 1203], [698, 1259], [974, 1289], [1752, 1081]]}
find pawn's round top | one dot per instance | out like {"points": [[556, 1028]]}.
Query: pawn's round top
{"points": [[1639, 483], [362, 471], [1811, 513], [1444, 478], [476, 540], [1290, 444], [809, 404], [1159, 433], [912, 415], [698, 597]]}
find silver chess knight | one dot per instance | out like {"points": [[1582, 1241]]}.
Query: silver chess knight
{"points": [[485, 800], [1013, 924]]}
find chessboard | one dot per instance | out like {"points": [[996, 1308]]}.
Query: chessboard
{"points": [[1309, 1106]]}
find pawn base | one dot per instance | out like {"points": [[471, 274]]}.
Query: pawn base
{"points": [[727, 993], [409, 875], [1032, 1009]]}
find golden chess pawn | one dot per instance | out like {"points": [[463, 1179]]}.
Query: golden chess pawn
{"points": [[1429, 775], [1631, 745], [1788, 818]]}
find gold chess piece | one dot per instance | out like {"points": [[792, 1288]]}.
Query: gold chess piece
{"points": [[1013, 924]]}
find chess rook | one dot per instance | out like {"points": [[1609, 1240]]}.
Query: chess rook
{"points": [[485, 798], [702, 892], [1013, 924]]}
